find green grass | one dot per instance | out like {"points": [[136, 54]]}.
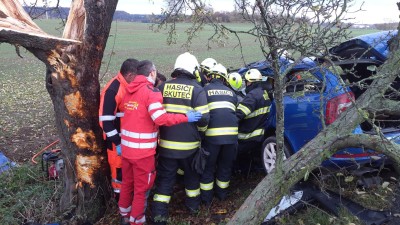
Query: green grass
{"points": [[25, 195]]}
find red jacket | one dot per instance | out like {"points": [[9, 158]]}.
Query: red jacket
{"points": [[144, 112]]}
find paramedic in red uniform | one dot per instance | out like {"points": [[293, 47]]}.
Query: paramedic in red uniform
{"points": [[144, 112]]}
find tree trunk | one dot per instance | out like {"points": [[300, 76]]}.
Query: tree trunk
{"points": [[73, 66], [336, 136]]}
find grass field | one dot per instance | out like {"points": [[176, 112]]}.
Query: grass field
{"points": [[26, 111]]}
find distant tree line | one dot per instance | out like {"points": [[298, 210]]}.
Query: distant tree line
{"points": [[386, 26], [62, 13], [221, 17]]}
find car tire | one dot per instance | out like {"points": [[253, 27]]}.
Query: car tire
{"points": [[268, 153]]}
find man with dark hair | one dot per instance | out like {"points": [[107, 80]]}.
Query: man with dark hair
{"points": [[144, 112], [110, 112], [160, 79]]}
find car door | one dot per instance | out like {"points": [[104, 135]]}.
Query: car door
{"points": [[302, 107]]}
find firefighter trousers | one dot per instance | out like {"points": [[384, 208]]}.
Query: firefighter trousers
{"points": [[218, 168], [247, 151], [166, 177], [139, 175]]}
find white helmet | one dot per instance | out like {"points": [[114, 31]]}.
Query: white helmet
{"points": [[253, 75], [188, 62], [235, 80], [219, 71], [208, 64]]}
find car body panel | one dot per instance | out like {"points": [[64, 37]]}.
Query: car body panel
{"points": [[357, 46]]}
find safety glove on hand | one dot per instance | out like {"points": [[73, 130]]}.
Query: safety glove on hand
{"points": [[193, 116], [119, 150]]}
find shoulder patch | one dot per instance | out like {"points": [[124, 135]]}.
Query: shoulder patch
{"points": [[219, 92], [182, 91]]}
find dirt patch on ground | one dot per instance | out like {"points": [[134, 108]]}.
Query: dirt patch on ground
{"points": [[26, 142]]}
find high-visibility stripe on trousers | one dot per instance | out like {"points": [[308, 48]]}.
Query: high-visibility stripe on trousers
{"points": [[115, 167], [166, 177], [218, 168]]}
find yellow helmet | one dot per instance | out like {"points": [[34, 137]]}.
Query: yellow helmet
{"points": [[219, 71], [253, 75], [235, 81]]}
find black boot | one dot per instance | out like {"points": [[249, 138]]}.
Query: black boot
{"points": [[206, 197], [193, 204]]}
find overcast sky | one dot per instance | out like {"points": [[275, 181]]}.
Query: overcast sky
{"points": [[374, 11]]}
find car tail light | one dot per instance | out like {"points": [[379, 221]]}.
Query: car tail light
{"points": [[337, 105]]}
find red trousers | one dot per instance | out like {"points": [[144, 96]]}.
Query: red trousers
{"points": [[138, 179]]}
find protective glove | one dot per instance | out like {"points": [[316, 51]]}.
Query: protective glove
{"points": [[199, 160], [119, 150], [193, 116]]}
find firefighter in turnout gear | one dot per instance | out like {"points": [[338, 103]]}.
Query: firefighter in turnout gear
{"points": [[221, 135], [178, 144], [205, 67], [143, 103], [236, 83], [110, 113], [252, 112]]}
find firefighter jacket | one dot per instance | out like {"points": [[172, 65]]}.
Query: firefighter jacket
{"points": [[252, 113], [144, 112], [223, 126], [111, 109], [181, 95]]}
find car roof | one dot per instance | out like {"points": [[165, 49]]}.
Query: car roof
{"points": [[265, 66], [372, 46]]}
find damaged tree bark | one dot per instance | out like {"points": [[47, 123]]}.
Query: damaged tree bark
{"points": [[73, 64]]}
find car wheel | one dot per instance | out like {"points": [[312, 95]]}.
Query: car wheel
{"points": [[268, 153]]}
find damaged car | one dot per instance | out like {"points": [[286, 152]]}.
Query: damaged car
{"points": [[315, 96]]}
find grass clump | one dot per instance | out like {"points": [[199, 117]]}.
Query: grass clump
{"points": [[27, 196]]}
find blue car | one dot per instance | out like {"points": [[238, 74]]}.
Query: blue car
{"points": [[309, 102]]}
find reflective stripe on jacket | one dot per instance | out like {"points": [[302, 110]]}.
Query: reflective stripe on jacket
{"points": [[144, 112], [111, 109], [253, 112], [223, 126], [181, 95]]}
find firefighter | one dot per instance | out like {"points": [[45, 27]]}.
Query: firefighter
{"points": [[236, 83], [252, 113], [221, 135], [110, 112], [142, 102], [178, 144], [205, 67]]}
